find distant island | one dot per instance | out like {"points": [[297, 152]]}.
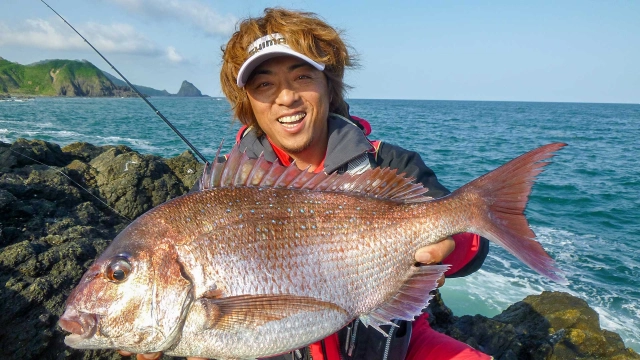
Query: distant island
{"points": [[72, 78]]}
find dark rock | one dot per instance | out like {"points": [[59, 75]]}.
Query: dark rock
{"points": [[186, 167], [83, 151], [38, 152], [7, 157], [6, 200], [188, 89], [133, 183], [55, 219], [550, 326]]}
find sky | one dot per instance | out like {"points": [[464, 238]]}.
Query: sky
{"points": [[558, 51]]}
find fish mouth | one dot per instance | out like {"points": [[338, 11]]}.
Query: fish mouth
{"points": [[80, 325]]}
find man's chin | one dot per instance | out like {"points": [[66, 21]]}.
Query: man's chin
{"points": [[296, 148]]}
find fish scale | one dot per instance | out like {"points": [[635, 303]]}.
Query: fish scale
{"points": [[265, 259], [256, 238]]}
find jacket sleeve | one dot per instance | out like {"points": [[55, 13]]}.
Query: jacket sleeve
{"points": [[471, 249]]}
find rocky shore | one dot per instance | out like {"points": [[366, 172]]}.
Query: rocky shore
{"points": [[54, 220]]}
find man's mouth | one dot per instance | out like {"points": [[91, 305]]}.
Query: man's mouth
{"points": [[292, 120]]}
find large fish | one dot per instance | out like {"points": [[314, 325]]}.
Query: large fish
{"points": [[265, 259]]}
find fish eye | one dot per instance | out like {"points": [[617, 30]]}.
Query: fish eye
{"points": [[118, 269]]}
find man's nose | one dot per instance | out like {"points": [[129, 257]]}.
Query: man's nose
{"points": [[287, 96]]}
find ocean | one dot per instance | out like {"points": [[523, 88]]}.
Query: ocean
{"points": [[584, 208]]}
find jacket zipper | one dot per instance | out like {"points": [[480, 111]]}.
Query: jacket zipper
{"points": [[348, 338], [352, 341], [389, 337]]}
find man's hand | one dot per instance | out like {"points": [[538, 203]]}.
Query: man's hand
{"points": [[435, 253], [150, 356]]}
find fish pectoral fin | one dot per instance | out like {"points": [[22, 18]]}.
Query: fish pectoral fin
{"points": [[408, 302], [250, 311]]}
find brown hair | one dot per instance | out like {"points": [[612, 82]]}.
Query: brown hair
{"points": [[306, 33]]}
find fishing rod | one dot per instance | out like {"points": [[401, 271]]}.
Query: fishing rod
{"points": [[135, 90]]}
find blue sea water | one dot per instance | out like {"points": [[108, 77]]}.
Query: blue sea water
{"points": [[584, 208]]}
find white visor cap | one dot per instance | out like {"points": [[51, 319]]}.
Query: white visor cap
{"points": [[265, 48]]}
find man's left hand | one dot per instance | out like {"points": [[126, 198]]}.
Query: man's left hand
{"points": [[435, 254]]}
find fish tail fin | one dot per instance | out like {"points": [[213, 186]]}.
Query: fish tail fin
{"points": [[503, 194]]}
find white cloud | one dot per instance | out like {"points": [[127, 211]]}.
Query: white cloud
{"points": [[191, 12], [40, 34], [55, 35], [173, 55], [119, 38]]}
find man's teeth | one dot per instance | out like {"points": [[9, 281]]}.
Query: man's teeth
{"points": [[292, 118]]}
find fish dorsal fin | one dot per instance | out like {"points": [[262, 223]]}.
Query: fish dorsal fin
{"points": [[413, 296], [239, 170]]}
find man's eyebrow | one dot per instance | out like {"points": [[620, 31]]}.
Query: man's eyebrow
{"points": [[260, 71]]}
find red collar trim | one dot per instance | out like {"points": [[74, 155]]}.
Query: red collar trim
{"points": [[286, 160]]}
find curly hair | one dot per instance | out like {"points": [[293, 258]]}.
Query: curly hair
{"points": [[306, 33]]}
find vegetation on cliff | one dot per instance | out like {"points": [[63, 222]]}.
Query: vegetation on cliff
{"points": [[71, 78], [56, 78]]}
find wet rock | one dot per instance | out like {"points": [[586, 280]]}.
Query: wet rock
{"points": [[186, 167], [83, 151], [8, 159], [55, 219], [549, 326], [133, 183], [38, 151], [6, 201], [568, 325]]}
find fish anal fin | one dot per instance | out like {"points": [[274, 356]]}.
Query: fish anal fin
{"points": [[408, 302], [250, 311]]}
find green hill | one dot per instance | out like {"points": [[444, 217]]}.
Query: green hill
{"points": [[57, 78], [71, 78]]}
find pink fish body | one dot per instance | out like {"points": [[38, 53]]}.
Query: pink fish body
{"points": [[266, 259]]}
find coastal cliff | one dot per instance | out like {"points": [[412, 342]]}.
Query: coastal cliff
{"points": [[51, 229], [72, 78], [57, 78]]}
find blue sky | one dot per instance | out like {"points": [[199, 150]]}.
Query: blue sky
{"points": [[575, 51]]}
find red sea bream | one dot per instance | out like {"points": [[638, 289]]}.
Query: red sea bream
{"points": [[266, 259]]}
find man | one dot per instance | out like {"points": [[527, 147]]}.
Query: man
{"points": [[283, 75]]}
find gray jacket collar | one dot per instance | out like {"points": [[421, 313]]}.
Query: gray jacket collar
{"points": [[346, 142]]}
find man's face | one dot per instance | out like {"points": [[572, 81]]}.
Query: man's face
{"points": [[290, 100]]}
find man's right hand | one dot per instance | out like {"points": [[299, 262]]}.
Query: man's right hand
{"points": [[149, 356]]}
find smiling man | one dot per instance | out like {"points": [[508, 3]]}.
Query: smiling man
{"points": [[283, 75], [290, 101]]}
